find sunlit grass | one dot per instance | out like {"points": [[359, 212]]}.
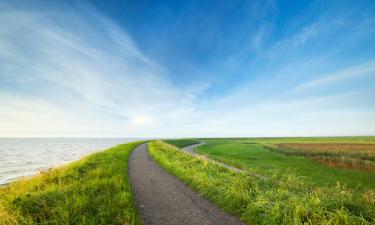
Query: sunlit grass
{"points": [[281, 199], [254, 157], [93, 190]]}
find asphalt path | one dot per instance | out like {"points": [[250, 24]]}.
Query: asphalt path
{"points": [[164, 200], [190, 149]]}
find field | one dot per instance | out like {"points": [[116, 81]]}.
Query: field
{"points": [[300, 189], [94, 190], [338, 155], [263, 156]]}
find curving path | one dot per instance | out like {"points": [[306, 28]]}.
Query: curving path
{"points": [[190, 149], [163, 199]]}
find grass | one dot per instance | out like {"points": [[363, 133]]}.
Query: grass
{"points": [[180, 143], [278, 140], [281, 199], [249, 155], [354, 156], [93, 190]]}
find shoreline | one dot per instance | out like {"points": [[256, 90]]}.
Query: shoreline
{"points": [[57, 154], [96, 179]]}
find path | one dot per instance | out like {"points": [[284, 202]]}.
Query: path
{"points": [[163, 199], [190, 149]]}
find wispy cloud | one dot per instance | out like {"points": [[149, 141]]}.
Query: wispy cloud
{"points": [[68, 70], [301, 38], [96, 74], [364, 69]]}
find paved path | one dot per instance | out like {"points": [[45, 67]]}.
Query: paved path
{"points": [[163, 199], [190, 149]]}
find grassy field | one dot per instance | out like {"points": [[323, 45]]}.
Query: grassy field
{"points": [[252, 155], [281, 199], [355, 153], [93, 190], [353, 156]]}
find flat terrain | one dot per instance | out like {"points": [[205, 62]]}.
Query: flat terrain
{"points": [[163, 199], [266, 157], [353, 156]]}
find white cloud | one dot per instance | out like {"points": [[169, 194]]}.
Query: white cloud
{"points": [[364, 69], [82, 75], [91, 78], [303, 36]]}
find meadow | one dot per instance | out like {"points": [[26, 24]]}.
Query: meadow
{"points": [[264, 157], [93, 190], [299, 190]]}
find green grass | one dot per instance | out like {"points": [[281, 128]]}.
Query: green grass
{"points": [[93, 190], [249, 155], [278, 140], [180, 143], [282, 199]]}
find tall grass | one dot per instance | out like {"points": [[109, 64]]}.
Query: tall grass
{"points": [[282, 199], [340, 155], [93, 190]]}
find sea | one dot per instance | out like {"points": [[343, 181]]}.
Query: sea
{"points": [[21, 157]]}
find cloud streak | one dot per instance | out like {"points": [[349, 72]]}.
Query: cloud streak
{"points": [[358, 71], [68, 70], [107, 80]]}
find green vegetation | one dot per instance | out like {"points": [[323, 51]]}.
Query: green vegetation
{"points": [[354, 156], [278, 140], [180, 143], [284, 198], [94, 190], [247, 154]]}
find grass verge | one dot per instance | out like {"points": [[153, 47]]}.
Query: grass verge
{"points": [[93, 190], [282, 199]]}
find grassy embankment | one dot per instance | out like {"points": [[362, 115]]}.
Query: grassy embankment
{"points": [[284, 198], [93, 190], [180, 143]]}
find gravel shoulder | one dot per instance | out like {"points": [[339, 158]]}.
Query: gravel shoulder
{"points": [[163, 199]]}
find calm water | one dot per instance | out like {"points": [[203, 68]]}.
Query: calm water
{"points": [[26, 156]]}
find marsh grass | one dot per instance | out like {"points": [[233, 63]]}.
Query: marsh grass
{"points": [[354, 156], [282, 199], [93, 190]]}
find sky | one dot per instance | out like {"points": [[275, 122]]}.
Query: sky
{"points": [[195, 68]]}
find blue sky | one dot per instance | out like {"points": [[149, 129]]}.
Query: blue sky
{"points": [[187, 68]]}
